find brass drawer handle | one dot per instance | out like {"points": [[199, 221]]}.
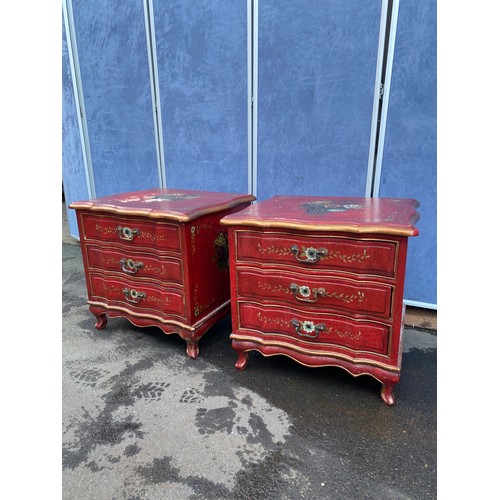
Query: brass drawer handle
{"points": [[309, 329], [129, 266], [308, 255], [305, 294], [127, 234], [133, 295]]}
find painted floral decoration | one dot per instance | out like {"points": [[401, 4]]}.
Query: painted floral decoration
{"points": [[325, 206], [170, 197], [159, 197]]}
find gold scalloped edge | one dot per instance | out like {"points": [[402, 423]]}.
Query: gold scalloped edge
{"points": [[291, 347], [175, 216]]}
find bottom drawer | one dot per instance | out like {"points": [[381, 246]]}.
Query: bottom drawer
{"points": [[139, 298], [313, 327]]}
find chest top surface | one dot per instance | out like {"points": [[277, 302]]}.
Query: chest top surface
{"points": [[174, 204], [327, 213]]}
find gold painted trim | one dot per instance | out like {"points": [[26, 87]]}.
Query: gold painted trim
{"points": [[312, 226], [161, 260], [333, 346], [192, 328], [179, 292], [319, 366], [212, 313], [147, 245], [339, 272], [328, 276], [297, 265], [139, 315], [395, 265], [364, 361], [92, 207], [307, 310], [325, 317]]}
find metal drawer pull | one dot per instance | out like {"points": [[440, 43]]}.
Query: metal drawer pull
{"points": [[127, 234], [305, 294], [308, 255], [309, 329], [133, 295], [129, 266]]}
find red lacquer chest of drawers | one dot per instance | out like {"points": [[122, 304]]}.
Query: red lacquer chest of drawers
{"points": [[321, 280], [158, 258]]}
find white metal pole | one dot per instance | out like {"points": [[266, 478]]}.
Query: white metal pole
{"points": [[252, 88], [376, 99], [69, 26], [155, 90], [385, 101]]}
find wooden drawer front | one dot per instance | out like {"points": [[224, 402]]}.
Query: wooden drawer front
{"points": [[137, 297], [133, 232], [316, 292], [366, 256], [167, 270], [302, 326]]}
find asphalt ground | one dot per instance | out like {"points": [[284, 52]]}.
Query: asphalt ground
{"points": [[141, 420]]}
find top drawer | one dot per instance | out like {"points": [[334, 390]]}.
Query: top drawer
{"points": [[132, 231], [359, 255]]}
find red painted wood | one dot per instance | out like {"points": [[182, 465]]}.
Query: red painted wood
{"points": [[160, 203], [137, 297], [158, 258], [352, 214], [356, 369], [162, 236], [315, 290], [166, 270], [371, 256], [273, 324], [352, 248]]}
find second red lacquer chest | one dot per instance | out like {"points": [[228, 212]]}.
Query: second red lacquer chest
{"points": [[321, 280]]}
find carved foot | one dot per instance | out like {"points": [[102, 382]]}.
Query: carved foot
{"points": [[102, 320], [192, 348], [242, 361], [387, 393]]}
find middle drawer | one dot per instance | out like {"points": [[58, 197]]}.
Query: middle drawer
{"points": [[317, 291], [165, 269]]}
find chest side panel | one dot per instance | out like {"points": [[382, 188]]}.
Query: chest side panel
{"points": [[207, 258]]}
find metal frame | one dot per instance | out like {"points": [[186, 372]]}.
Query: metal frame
{"points": [[69, 25], [385, 100], [374, 177], [424, 305], [376, 99], [252, 86], [155, 90]]}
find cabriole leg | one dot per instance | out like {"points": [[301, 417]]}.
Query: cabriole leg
{"points": [[192, 349], [102, 318], [387, 393], [242, 361]]}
